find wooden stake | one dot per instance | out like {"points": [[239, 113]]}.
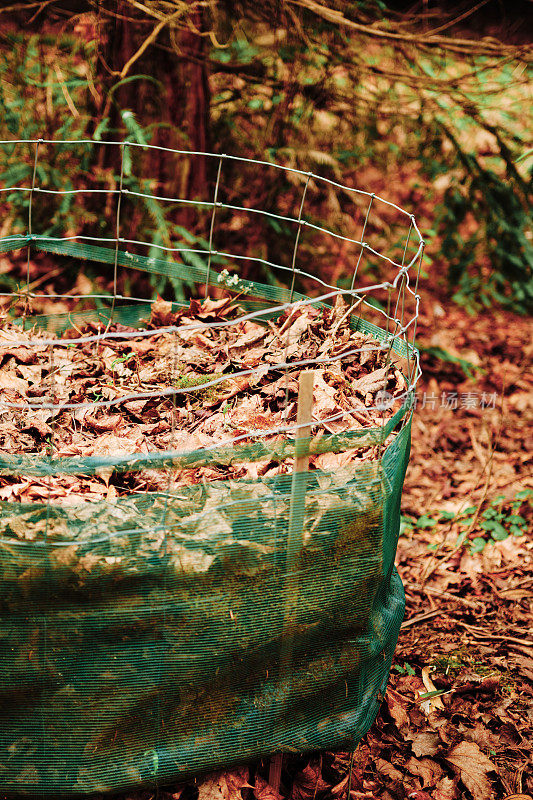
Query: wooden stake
{"points": [[304, 417], [295, 539]]}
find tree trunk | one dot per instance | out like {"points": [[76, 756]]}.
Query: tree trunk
{"points": [[177, 107]]}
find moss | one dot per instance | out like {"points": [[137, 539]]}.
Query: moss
{"points": [[210, 393]]}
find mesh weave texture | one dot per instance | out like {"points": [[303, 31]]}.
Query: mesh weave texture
{"points": [[144, 641], [162, 635]]}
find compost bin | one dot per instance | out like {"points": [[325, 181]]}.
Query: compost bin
{"points": [[226, 591]]}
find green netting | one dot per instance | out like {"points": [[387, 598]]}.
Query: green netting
{"points": [[156, 266], [161, 635], [142, 640]]}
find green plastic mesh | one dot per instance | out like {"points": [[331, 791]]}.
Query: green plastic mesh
{"points": [[143, 640], [161, 635]]}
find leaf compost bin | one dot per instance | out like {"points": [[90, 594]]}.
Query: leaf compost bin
{"points": [[199, 498]]}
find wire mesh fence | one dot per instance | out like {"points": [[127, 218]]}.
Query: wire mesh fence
{"points": [[220, 587]]}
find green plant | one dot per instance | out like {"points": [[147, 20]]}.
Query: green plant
{"points": [[500, 204], [468, 368], [500, 519], [37, 72], [407, 669]]}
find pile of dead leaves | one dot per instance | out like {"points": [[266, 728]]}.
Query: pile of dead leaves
{"points": [[226, 376]]}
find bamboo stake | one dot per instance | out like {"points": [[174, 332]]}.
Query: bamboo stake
{"points": [[295, 539]]}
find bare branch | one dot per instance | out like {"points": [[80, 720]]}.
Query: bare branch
{"points": [[486, 46]]}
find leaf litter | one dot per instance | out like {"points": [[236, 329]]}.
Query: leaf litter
{"points": [[221, 535], [226, 381]]}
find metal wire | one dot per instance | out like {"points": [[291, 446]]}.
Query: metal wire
{"points": [[119, 204], [211, 229], [201, 324], [297, 239], [30, 208], [400, 340]]}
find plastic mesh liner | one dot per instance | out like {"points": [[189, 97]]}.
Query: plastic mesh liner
{"points": [[163, 634], [143, 640]]}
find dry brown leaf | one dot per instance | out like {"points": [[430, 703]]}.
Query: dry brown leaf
{"points": [[324, 397], [32, 373], [425, 743], [426, 769], [398, 710], [387, 769], [9, 382], [211, 308], [37, 424], [105, 423], [472, 766], [306, 783], [225, 785], [518, 797], [23, 355], [264, 791], [330, 462], [161, 312], [446, 790], [371, 382], [110, 445], [251, 334]]}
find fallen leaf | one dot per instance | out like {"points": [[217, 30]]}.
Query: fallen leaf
{"points": [[324, 396], [388, 770], [518, 797], [210, 307], [398, 708], [330, 462], [371, 382], [106, 423], [425, 743], [225, 785], [10, 382], [264, 791], [446, 790], [162, 312], [306, 783], [426, 769], [472, 766], [37, 424]]}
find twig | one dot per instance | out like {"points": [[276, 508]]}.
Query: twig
{"points": [[446, 595], [149, 39], [444, 42], [420, 618], [477, 633], [66, 94]]}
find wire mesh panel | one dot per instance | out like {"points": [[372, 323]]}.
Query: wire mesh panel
{"points": [[179, 592]]}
